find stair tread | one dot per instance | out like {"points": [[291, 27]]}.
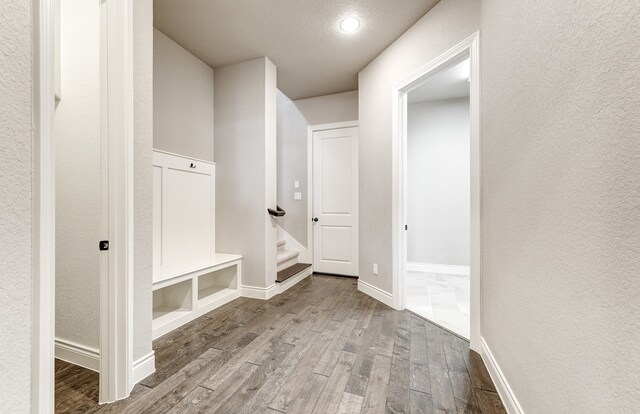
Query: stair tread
{"points": [[281, 243], [291, 271], [285, 255]]}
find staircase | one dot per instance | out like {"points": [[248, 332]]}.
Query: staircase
{"points": [[288, 265]]}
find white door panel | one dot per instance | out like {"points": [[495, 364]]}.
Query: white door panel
{"points": [[335, 201]]}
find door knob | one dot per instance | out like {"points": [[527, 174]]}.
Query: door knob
{"points": [[315, 219]]}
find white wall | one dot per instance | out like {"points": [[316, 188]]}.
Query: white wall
{"points": [[245, 129], [15, 204], [293, 119], [78, 176], [143, 175], [561, 201], [183, 100], [438, 182], [447, 24]]}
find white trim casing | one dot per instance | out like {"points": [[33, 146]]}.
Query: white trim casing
{"points": [[116, 310], [43, 182], [511, 403], [77, 354], [470, 46], [439, 268], [374, 292], [144, 367], [310, 130]]}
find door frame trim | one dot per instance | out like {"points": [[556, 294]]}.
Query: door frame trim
{"points": [[116, 326], [311, 129], [470, 45]]}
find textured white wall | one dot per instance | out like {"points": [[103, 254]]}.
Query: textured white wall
{"points": [[448, 23], [243, 151], [15, 205], [78, 175], [293, 119], [143, 175], [438, 182], [183, 100], [561, 201]]}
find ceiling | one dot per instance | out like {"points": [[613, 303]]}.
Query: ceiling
{"points": [[302, 37], [450, 83]]}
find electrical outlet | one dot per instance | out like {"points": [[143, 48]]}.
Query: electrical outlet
{"points": [[297, 196], [375, 269]]}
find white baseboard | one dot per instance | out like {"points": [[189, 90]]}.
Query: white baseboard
{"points": [[305, 254], [292, 281], [509, 399], [77, 354], [374, 292], [439, 268], [259, 292], [144, 367]]}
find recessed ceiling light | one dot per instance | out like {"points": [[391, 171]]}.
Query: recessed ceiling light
{"points": [[350, 24]]}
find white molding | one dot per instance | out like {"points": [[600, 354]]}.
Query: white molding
{"points": [[143, 367], [508, 397], [310, 130], [76, 354], [294, 280], [43, 181], [255, 292], [305, 254], [376, 293], [439, 268], [399, 92], [116, 310], [173, 154]]}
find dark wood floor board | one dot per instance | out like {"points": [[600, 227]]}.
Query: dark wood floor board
{"points": [[165, 390], [261, 399], [249, 388], [463, 392], [320, 347], [291, 388], [345, 305], [384, 342], [419, 378], [331, 355], [223, 391], [441, 389], [376, 393], [308, 396], [246, 353], [361, 372], [398, 389], [329, 400], [420, 403]]}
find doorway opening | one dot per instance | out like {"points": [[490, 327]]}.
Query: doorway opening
{"points": [[436, 211], [83, 107], [438, 199]]}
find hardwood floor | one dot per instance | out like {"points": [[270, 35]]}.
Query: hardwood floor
{"points": [[320, 347]]}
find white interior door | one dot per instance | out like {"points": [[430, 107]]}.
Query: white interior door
{"points": [[335, 201]]}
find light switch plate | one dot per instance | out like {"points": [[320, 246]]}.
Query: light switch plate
{"points": [[297, 196], [296, 184]]}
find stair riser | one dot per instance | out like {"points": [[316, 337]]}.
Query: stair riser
{"points": [[287, 263]]}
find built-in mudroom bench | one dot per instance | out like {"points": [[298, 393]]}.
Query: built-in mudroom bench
{"points": [[189, 277]]}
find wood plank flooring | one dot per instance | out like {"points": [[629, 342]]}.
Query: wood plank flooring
{"points": [[320, 347]]}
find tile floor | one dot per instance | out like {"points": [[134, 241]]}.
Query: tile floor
{"points": [[441, 298]]}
